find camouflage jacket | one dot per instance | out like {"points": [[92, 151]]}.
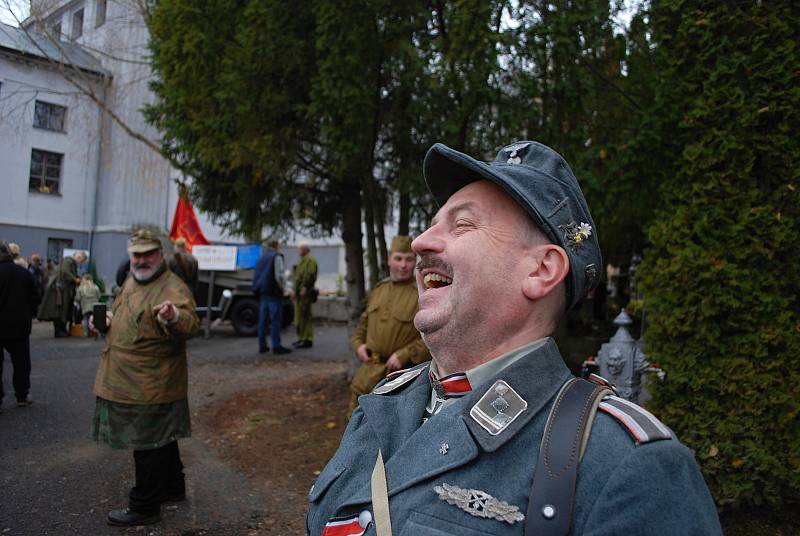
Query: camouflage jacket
{"points": [[144, 361]]}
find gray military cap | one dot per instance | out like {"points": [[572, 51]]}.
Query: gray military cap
{"points": [[540, 180]]}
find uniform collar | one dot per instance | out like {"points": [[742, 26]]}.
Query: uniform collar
{"points": [[486, 371], [536, 372]]}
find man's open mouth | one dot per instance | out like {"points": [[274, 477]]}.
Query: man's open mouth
{"points": [[434, 280]]}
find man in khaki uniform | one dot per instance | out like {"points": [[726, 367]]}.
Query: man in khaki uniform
{"points": [[386, 339], [141, 383], [305, 277]]}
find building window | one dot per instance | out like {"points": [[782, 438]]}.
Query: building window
{"points": [[55, 30], [49, 116], [100, 13], [45, 172], [77, 24], [56, 247]]}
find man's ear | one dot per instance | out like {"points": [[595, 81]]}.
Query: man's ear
{"points": [[550, 270]]}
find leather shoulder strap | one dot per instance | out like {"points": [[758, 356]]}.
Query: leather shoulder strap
{"points": [[564, 440]]}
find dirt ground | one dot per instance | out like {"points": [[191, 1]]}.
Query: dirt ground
{"points": [[282, 435]]}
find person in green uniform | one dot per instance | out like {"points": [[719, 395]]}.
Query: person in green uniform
{"points": [[142, 380], [304, 294], [60, 293], [386, 339]]}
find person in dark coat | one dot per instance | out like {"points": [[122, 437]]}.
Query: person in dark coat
{"points": [[184, 265], [123, 271], [18, 301], [60, 293], [268, 281], [36, 270]]}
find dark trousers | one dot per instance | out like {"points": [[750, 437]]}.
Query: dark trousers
{"points": [[269, 308], [59, 327], [20, 352], [159, 473]]}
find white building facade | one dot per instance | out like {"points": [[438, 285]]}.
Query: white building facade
{"points": [[71, 175], [74, 177], [49, 150]]}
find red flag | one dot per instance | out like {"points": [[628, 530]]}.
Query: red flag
{"points": [[184, 224]]}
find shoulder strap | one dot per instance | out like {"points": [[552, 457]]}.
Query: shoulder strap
{"points": [[563, 442], [642, 425]]}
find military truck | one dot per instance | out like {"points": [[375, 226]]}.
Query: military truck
{"points": [[233, 300]]}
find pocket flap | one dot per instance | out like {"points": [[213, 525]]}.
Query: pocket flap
{"points": [[424, 525], [404, 314]]}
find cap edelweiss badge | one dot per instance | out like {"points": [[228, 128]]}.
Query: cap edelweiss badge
{"points": [[575, 234]]}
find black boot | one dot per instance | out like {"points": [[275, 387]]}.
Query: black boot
{"points": [[130, 518], [60, 329]]}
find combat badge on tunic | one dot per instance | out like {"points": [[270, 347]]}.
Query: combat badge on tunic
{"points": [[479, 503]]}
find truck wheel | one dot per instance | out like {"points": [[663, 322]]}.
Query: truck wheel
{"points": [[244, 317]]}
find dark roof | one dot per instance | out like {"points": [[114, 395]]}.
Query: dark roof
{"points": [[34, 44]]}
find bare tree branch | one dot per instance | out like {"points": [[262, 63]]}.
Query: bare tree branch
{"points": [[79, 78]]}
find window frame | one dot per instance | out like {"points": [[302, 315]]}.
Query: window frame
{"points": [[56, 247], [72, 31], [42, 176], [98, 20], [50, 107]]}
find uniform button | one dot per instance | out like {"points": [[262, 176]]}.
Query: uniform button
{"points": [[549, 511], [364, 519]]}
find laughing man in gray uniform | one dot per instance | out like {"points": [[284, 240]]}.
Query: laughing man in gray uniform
{"points": [[462, 445]]}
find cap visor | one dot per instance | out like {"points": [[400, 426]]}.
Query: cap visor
{"points": [[142, 248], [446, 171]]}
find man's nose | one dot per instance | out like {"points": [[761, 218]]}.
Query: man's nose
{"points": [[429, 241]]}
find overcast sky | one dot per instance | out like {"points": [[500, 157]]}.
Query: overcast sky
{"points": [[11, 8]]}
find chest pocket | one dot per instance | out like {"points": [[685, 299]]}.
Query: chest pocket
{"points": [[147, 327], [424, 525], [404, 313], [404, 308], [372, 310]]}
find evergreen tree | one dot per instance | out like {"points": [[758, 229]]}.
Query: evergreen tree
{"points": [[722, 276]]}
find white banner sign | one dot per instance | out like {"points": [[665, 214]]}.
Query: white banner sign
{"points": [[220, 258], [70, 252]]}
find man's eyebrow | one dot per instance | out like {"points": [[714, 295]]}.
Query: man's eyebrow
{"points": [[465, 205]]}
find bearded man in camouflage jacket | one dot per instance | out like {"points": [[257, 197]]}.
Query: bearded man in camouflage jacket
{"points": [[141, 384]]}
